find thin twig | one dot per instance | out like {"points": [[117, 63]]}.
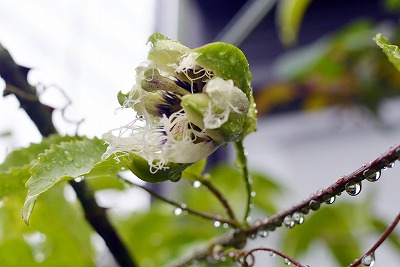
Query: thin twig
{"points": [[183, 207], [213, 190], [235, 238], [244, 255], [381, 239]]}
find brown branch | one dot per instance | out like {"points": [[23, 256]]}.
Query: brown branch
{"points": [[183, 208], [381, 239], [220, 197], [15, 77], [237, 238]]}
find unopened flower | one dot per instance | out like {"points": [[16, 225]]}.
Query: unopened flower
{"points": [[188, 103]]}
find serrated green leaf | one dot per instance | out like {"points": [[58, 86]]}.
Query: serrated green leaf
{"points": [[14, 171], [64, 161], [21, 157], [391, 51], [290, 15]]}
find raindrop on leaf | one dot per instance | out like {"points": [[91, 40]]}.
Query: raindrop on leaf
{"points": [[68, 155], [217, 224], [353, 189]]}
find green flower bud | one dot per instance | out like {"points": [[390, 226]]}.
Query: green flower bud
{"points": [[188, 103]]}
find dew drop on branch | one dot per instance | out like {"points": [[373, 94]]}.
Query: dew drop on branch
{"points": [[353, 189], [368, 260], [330, 200], [288, 222], [286, 261], [196, 184], [263, 233], [372, 175], [314, 204], [298, 217], [178, 211], [217, 224]]}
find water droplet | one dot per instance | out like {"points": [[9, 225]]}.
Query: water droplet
{"points": [[368, 260], [263, 233], [68, 155], [196, 184], [61, 163], [330, 200], [249, 219], [353, 189], [314, 204], [372, 175], [48, 167], [178, 211], [34, 174], [288, 222], [253, 194], [272, 254], [217, 224], [78, 179], [77, 164], [225, 225], [122, 169], [53, 180], [388, 164], [298, 217], [253, 235], [286, 261]]}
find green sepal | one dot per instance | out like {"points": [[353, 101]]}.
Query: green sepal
{"points": [[228, 62], [140, 167], [165, 52], [122, 98], [195, 107], [391, 51]]}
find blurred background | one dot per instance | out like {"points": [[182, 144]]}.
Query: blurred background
{"points": [[327, 97]]}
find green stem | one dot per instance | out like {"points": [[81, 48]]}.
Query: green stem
{"points": [[241, 162]]}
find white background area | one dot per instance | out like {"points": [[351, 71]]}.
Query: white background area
{"points": [[91, 48]]}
